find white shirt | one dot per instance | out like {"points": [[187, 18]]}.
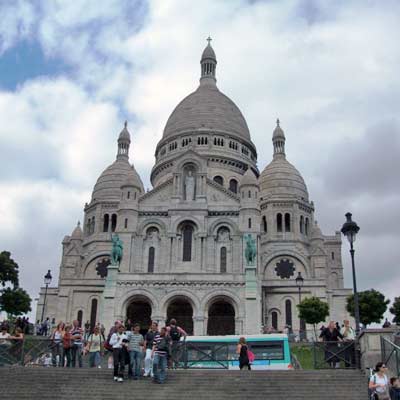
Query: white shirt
{"points": [[116, 340], [4, 336], [379, 380]]}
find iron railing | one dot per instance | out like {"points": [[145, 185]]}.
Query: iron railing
{"points": [[335, 355], [390, 355]]}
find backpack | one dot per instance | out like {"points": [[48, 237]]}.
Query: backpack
{"points": [[174, 333], [107, 344]]}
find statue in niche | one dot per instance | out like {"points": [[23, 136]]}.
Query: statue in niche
{"points": [[152, 233], [223, 235], [189, 186]]}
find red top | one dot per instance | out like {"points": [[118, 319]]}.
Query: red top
{"points": [[67, 340]]}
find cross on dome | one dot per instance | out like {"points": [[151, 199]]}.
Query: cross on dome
{"points": [[209, 40]]}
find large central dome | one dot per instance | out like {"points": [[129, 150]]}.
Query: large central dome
{"points": [[207, 108]]}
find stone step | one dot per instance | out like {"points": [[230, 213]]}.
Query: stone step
{"points": [[85, 384]]}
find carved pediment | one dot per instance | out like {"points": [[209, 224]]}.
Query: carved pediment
{"points": [[73, 250], [218, 195], [160, 195], [318, 252]]}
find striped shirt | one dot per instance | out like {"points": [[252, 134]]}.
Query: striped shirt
{"points": [[135, 341], [163, 341], [77, 331]]}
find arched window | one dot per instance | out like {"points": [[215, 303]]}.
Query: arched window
{"points": [[187, 242], [128, 195], [106, 222], [249, 223], [93, 314], [288, 309], [306, 226], [333, 255], [113, 222], [223, 260], [249, 194], [301, 224], [92, 225], [264, 219], [126, 223], [279, 222], [233, 185], [79, 317], [150, 264], [287, 222], [219, 180], [274, 320]]}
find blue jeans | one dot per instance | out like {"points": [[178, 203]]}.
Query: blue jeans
{"points": [[135, 357], [159, 368], [77, 351], [94, 359]]}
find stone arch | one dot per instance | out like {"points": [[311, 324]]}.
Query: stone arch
{"points": [[198, 164], [180, 293], [301, 259], [100, 254], [148, 223], [212, 230], [223, 295], [195, 221], [129, 296]]}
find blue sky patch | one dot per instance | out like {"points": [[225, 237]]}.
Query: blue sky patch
{"points": [[27, 61]]}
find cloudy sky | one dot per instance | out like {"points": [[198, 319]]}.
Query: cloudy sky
{"points": [[72, 72]]}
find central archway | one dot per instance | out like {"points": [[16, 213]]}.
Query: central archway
{"points": [[139, 312], [181, 310], [221, 318]]}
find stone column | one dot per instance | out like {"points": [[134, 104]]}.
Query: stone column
{"points": [[198, 326], [107, 303]]}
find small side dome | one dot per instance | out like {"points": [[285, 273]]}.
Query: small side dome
{"points": [[133, 180], [249, 179], [208, 53], [77, 233]]}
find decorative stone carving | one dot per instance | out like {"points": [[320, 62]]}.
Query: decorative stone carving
{"points": [[285, 268], [189, 186]]}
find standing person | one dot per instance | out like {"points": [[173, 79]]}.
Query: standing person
{"points": [[148, 345], [45, 326], [135, 348], [67, 346], [242, 349], [108, 346], [119, 342], [38, 328], [331, 336], [394, 388], [87, 330], [160, 352], [175, 333], [94, 347], [348, 337], [56, 345], [77, 336], [379, 382]]}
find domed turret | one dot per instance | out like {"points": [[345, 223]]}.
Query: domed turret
{"points": [[280, 178], [108, 186], [249, 179], [77, 233]]}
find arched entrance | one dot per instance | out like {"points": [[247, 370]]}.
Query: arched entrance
{"points": [[139, 312], [181, 310], [221, 318]]}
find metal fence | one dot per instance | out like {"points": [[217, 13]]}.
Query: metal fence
{"points": [[335, 355], [391, 355]]}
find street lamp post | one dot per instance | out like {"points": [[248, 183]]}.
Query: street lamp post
{"points": [[300, 283], [47, 281], [350, 230]]}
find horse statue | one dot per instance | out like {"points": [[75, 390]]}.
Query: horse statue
{"points": [[116, 250], [250, 251]]}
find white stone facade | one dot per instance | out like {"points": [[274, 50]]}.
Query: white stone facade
{"points": [[184, 242]]}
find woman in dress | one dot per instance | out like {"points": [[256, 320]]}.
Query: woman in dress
{"points": [[242, 349]]}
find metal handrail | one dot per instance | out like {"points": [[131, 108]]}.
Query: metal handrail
{"points": [[390, 355]]}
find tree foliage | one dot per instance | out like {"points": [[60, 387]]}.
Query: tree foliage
{"points": [[372, 306], [313, 310], [395, 310], [8, 269], [15, 301]]}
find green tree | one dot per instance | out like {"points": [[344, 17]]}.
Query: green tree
{"points": [[372, 306], [8, 269], [395, 310], [15, 301], [313, 310]]}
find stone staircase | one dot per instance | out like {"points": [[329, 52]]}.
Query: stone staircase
{"points": [[19, 383]]}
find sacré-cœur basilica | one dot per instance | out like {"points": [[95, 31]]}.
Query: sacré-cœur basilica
{"points": [[184, 241]]}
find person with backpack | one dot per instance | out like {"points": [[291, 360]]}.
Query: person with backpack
{"points": [[119, 343], [107, 345], [379, 383], [175, 333], [94, 348], [160, 351], [148, 345]]}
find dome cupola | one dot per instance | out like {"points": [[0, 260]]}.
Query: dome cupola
{"points": [[208, 64]]}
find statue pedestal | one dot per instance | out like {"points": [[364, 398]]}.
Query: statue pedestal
{"points": [[252, 302], [107, 309]]}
